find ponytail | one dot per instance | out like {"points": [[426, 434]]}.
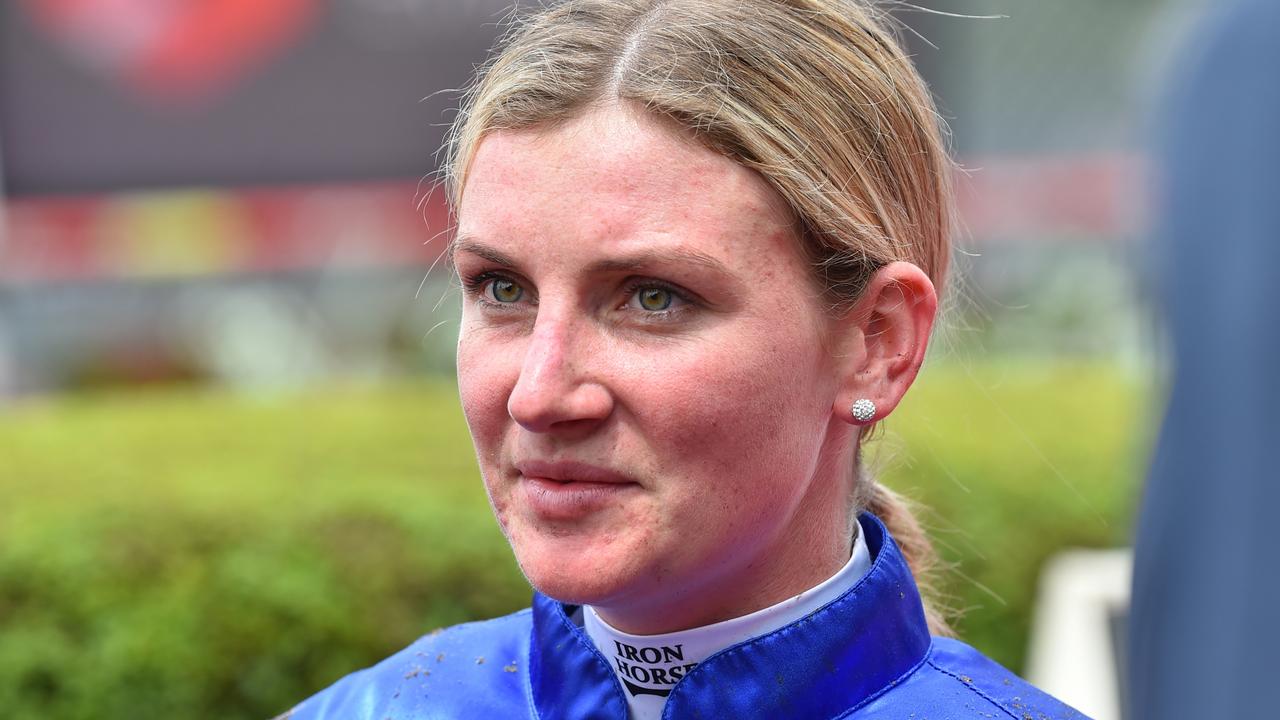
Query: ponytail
{"points": [[896, 512]]}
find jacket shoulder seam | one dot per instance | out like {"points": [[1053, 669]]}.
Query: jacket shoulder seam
{"points": [[896, 682], [971, 686]]}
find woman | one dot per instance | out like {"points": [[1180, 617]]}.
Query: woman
{"points": [[700, 243]]}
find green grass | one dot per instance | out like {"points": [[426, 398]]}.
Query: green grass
{"points": [[190, 553]]}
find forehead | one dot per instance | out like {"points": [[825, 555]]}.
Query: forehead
{"points": [[617, 176]]}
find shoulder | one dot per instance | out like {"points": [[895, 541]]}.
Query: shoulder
{"points": [[479, 667], [957, 681]]}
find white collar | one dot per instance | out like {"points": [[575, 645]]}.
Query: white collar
{"points": [[648, 666]]}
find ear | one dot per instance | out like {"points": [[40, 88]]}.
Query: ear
{"points": [[883, 339]]}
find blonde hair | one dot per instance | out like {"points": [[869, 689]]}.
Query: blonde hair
{"points": [[814, 95]]}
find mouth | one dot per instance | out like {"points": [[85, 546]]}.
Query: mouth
{"points": [[571, 471], [570, 490]]}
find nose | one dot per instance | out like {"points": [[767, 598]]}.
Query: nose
{"points": [[558, 388]]}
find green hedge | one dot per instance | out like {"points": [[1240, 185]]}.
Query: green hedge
{"points": [[189, 553]]}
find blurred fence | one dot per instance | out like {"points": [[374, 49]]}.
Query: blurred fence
{"points": [[263, 286]]}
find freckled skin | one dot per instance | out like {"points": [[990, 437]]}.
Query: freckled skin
{"points": [[722, 415]]}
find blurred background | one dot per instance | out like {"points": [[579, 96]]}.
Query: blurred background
{"points": [[232, 463]]}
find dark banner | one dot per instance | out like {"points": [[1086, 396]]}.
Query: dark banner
{"points": [[106, 95]]}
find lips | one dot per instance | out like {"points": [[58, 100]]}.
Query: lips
{"points": [[570, 471], [565, 491]]}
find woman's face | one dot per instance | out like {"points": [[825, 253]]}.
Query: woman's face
{"points": [[645, 369]]}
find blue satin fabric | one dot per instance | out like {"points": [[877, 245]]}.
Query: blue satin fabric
{"points": [[867, 654]]}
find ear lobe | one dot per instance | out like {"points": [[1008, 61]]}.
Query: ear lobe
{"points": [[886, 335]]}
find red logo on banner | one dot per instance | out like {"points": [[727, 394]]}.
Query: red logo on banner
{"points": [[174, 51]]}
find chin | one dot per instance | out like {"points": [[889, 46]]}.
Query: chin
{"points": [[573, 585], [574, 572], [572, 590]]}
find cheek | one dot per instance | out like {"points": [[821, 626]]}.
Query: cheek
{"points": [[485, 379], [484, 384], [745, 415]]}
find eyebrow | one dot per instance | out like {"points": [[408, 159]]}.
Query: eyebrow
{"points": [[468, 245], [632, 262]]}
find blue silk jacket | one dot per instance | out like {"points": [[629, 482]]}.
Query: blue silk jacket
{"points": [[867, 654]]}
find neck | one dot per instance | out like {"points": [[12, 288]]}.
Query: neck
{"points": [[684, 612]]}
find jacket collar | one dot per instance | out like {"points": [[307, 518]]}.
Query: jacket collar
{"points": [[819, 666]]}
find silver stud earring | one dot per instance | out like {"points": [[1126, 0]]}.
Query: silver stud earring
{"points": [[863, 410]]}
